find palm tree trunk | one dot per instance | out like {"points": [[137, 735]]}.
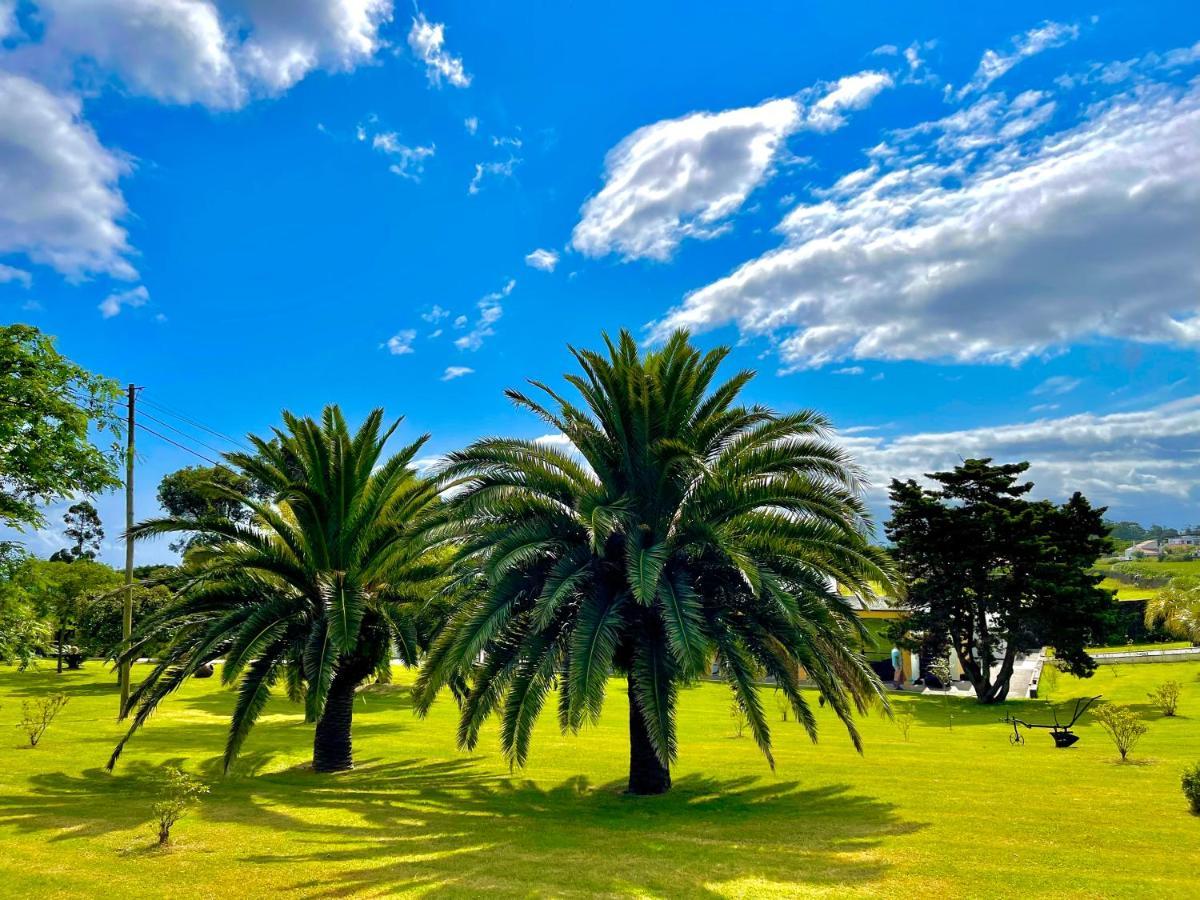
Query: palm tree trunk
{"points": [[332, 751], [647, 775], [61, 631]]}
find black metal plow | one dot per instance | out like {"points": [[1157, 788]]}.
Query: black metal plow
{"points": [[1063, 735]]}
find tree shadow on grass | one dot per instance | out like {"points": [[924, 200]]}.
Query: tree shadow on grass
{"points": [[447, 828]]}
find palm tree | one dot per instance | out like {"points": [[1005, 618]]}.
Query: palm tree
{"points": [[1176, 608], [678, 526], [319, 589]]}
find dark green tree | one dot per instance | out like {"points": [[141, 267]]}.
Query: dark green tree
{"points": [[688, 527], [48, 405], [318, 588], [203, 492], [85, 531], [992, 573]]}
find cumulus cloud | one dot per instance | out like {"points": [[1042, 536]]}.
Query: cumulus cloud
{"points": [[10, 274], [850, 93], [113, 304], [545, 260], [219, 55], [435, 314], [944, 251], [994, 63], [685, 177], [453, 372], [1146, 458], [401, 342], [61, 204], [471, 123], [427, 40], [490, 311]]}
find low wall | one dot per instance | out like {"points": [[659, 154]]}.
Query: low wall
{"points": [[1181, 654]]}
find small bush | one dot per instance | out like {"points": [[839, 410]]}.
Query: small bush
{"points": [[179, 791], [783, 705], [1122, 724], [904, 721], [1191, 786], [36, 715], [738, 715], [1165, 697]]}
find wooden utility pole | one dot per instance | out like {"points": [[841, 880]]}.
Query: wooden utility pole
{"points": [[127, 613]]}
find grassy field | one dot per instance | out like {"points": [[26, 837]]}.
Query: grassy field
{"points": [[954, 811], [1135, 648]]}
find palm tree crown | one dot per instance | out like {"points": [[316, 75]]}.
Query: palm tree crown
{"points": [[329, 579], [686, 527]]}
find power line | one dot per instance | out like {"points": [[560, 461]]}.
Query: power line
{"points": [[182, 432], [211, 462], [171, 412]]}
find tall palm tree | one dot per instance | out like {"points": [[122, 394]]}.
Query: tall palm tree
{"points": [[1176, 608], [325, 583], [686, 527]]}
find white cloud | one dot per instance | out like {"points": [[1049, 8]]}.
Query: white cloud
{"points": [[435, 314], [10, 274], [514, 142], [849, 370], [545, 260], [989, 258], [490, 311], [885, 50], [409, 161], [994, 64], [427, 40], [453, 372], [199, 51], [496, 169], [61, 203], [1057, 385], [460, 321], [850, 93], [682, 177], [401, 342], [1147, 457], [471, 123], [685, 177], [115, 302]]}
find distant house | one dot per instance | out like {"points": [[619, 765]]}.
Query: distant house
{"points": [[1184, 540], [1144, 549]]}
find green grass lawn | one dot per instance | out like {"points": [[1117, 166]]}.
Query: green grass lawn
{"points": [[951, 812], [1129, 591]]}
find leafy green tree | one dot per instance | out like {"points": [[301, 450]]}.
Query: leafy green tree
{"points": [[202, 492], [993, 573], [99, 627], [58, 592], [323, 587], [1176, 609], [47, 407], [84, 530], [688, 526]]}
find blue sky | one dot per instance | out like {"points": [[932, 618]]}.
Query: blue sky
{"points": [[956, 229]]}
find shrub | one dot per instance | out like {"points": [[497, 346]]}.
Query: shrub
{"points": [[36, 715], [1191, 786], [783, 705], [1122, 724], [739, 717], [904, 720], [1165, 697], [179, 791]]}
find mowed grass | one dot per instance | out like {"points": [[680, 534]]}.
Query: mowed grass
{"points": [[954, 811]]}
